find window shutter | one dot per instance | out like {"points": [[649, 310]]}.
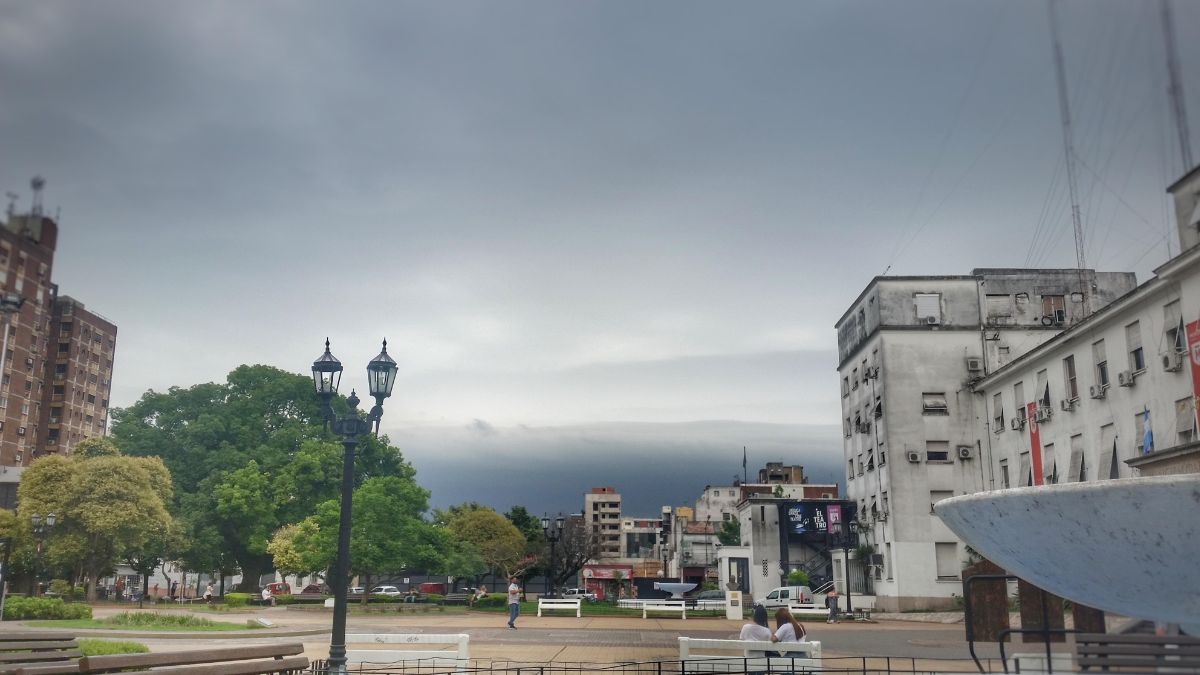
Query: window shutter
{"points": [[928, 304], [1025, 469], [1108, 447]]}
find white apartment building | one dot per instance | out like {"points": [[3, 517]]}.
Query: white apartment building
{"points": [[909, 350], [1076, 408]]}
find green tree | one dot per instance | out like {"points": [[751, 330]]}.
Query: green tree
{"points": [[498, 542], [388, 531], [249, 456], [106, 504], [730, 533]]}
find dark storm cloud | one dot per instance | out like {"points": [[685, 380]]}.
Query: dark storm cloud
{"points": [[547, 469]]}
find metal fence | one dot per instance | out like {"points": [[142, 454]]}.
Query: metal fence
{"points": [[862, 665]]}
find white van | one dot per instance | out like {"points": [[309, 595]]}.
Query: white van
{"points": [[787, 595]]}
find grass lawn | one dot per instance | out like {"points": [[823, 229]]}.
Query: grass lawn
{"points": [[94, 647], [599, 609], [151, 621]]}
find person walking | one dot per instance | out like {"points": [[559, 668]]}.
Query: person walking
{"points": [[757, 630], [208, 593], [514, 602], [788, 629], [831, 602]]}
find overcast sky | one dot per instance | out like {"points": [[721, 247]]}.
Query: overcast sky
{"points": [[607, 241]]}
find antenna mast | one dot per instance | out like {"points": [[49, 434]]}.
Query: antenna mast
{"points": [[1069, 150], [37, 183], [1175, 87]]}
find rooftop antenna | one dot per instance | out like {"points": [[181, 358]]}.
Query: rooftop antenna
{"points": [[11, 210], [37, 183], [1175, 86], [1064, 109]]}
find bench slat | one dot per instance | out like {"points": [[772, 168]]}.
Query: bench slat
{"points": [[1132, 650], [22, 636], [61, 668], [1136, 662], [31, 657], [113, 662], [35, 645], [238, 667], [1106, 638]]}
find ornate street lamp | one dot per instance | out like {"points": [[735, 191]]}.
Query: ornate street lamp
{"points": [[41, 530], [327, 375], [553, 530]]}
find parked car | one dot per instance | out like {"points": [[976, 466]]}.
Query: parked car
{"points": [[314, 589], [432, 587], [279, 588], [787, 595], [581, 593], [391, 591], [713, 599], [354, 590]]}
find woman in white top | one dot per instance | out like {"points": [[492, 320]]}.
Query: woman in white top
{"points": [[759, 630], [788, 629]]}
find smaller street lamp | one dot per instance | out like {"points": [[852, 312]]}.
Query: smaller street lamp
{"points": [[553, 530], [845, 540], [41, 530]]}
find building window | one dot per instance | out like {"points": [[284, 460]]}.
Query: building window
{"points": [[928, 307], [1133, 342], [998, 412], [1100, 358], [845, 387], [1173, 325], [1049, 465], [1004, 474], [937, 451], [948, 566], [934, 403], [1026, 470], [1069, 377], [850, 469], [1054, 309]]}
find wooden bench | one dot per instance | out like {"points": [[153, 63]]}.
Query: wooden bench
{"points": [[20, 649], [251, 660], [1144, 653], [459, 658], [561, 603], [665, 606], [457, 599], [739, 656]]}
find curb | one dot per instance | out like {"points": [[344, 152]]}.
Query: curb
{"points": [[180, 635]]}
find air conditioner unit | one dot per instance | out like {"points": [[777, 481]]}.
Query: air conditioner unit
{"points": [[1067, 404], [1173, 362], [1125, 378], [864, 427], [876, 559], [882, 517], [1043, 414], [964, 452], [913, 456], [1017, 423], [974, 364], [932, 320], [1097, 391]]}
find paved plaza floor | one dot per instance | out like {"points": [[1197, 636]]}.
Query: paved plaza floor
{"points": [[567, 639]]}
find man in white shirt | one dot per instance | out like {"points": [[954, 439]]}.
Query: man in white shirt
{"points": [[514, 602]]}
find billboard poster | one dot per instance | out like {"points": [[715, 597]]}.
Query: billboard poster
{"points": [[815, 520]]}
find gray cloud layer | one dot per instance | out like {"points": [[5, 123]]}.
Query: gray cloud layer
{"points": [[565, 213]]}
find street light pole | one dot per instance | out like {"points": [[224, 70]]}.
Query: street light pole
{"points": [[327, 375], [41, 530], [553, 531]]}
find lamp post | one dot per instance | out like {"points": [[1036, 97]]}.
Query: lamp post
{"points": [[553, 530], [41, 530], [327, 374], [845, 540], [6, 543]]}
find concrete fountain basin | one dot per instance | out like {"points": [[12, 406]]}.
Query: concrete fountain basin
{"points": [[1129, 546]]}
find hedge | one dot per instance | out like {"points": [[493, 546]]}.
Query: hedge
{"points": [[237, 599], [17, 609]]}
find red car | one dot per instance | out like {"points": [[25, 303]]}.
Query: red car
{"points": [[279, 588]]}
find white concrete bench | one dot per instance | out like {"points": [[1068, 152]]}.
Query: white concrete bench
{"points": [[665, 606], [459, 657], [560, 603], [739, 656]]}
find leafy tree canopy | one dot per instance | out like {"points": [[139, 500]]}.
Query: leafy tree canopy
{"points": [[498, 542], [248, 456]]}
